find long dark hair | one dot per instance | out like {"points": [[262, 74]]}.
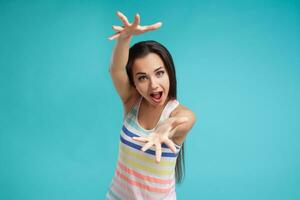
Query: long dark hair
{"points": [[140, 50]]}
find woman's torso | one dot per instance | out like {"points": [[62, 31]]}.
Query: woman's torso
{"points": [[137, 175]]}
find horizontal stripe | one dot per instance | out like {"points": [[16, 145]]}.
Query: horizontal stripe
{"points": [[131, 134], [130, 120], [144, 177], [142, 186], [137, 194], [143, 158], [157, 172], [119, 192], [149, 151], [134, 131]]}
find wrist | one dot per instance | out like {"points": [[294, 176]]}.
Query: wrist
{"points": [[125, 39]]}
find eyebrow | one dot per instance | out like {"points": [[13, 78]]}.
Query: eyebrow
{"points": [[142, 73]]}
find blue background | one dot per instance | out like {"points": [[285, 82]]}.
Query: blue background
{"points": [[238, 69]]}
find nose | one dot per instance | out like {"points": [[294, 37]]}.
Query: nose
{"points": [[153, 83]]}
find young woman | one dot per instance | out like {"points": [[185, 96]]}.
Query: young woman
{"points": [[155, 125]]}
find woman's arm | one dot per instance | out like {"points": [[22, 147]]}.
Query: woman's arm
{"points": [[117, 69], [182, 130], [120, 58], [120, 54]]}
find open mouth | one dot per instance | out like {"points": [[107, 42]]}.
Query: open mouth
{"points": [[156, 96]]}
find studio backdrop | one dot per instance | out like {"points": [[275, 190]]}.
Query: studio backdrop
{"points": [[238, 70]]}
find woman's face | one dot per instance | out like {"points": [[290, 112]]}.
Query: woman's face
{"points": [[151, 79]]}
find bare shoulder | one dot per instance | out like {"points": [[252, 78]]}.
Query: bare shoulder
{"points": [[183, 111]]}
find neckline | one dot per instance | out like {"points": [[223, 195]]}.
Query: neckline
{"points": [[137, 116]]}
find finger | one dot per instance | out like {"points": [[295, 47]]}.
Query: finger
{"points": [[147, 146], [152, 27], [114, 36], [136, 20], [117, 28], [171, 145], [158, 152], [123, 18], [140, 139]]}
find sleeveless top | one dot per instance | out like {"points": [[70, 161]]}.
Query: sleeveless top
{"points": [[137, 175]]}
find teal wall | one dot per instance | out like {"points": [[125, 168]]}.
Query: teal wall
{"points": [[238, 68]]}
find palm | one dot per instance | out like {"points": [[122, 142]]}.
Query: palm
{"points": [[162, 134], [129, 29]]}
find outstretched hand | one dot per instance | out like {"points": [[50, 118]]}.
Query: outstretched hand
{"points": [[162, 134], [129, 29]]}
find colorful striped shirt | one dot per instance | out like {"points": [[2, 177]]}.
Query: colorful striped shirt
{"points": [[137, 175]]}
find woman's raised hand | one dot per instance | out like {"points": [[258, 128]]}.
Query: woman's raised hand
{"points": [[129, 29], [162, 134]]}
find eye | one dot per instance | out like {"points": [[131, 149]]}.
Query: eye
{"points": [[160, 73], [142, 78]]}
